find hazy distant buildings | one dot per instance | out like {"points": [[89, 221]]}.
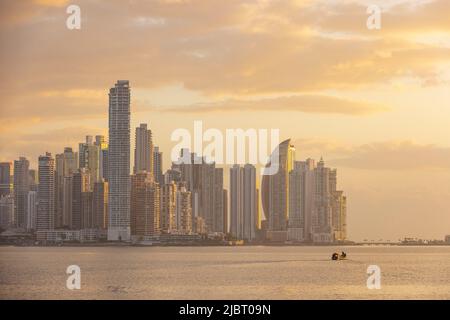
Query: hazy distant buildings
{"points": [[143, 152], [119, 161], [46, 193]]}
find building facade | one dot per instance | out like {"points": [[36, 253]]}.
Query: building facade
{"points": [[119, 162]]}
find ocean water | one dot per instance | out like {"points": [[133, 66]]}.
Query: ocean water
{"points": [[249, 272]]}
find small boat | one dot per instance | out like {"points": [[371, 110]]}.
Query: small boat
{"points": [[337, 256]]}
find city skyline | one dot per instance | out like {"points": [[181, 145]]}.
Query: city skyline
{"points": [[91, 195], [373, 103]]}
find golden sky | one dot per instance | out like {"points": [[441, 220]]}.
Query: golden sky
{"points": [[374, 103]]}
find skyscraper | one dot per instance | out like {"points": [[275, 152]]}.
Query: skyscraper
{"points": [[145, 206], [100, 204], [301, 200], [80, 186], [103, 159], [183, 211], [225, 211], [157, 166], [143, 152], [243, 202], [66, 166], [32, 205], [89, 158], [168, 199], [250, 202], [275, 192], [205, 182], [5, 178], [321, 215], [236, 202], [119, 162], [21, 188], [339, 215], [46, 193], [59, 190]]}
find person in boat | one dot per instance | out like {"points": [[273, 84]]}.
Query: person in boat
{"points": [[343, 254], [335, 256]]}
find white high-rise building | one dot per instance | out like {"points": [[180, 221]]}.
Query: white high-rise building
{"points": [[119, 162], [301, 200], [243, 202], [143, 152]]}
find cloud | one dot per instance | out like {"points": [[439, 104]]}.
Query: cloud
{"points": [[215, 47], [302, 103], [401, 156]]}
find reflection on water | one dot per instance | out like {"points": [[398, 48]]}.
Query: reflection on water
{"points": [[261, 272]]}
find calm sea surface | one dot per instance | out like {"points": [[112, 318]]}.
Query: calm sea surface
{"points": [[261, 272]]}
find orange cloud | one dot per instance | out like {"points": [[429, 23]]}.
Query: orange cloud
{"points": [[302, 103]]}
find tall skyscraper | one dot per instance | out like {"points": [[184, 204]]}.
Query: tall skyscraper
{"points": [[143, 152], [46, 193], [301, 200], [119, 162], [157, 166], [322, 214], [5, 178], [21, 188], [236, 202], [243, 202], [275, 192]]}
